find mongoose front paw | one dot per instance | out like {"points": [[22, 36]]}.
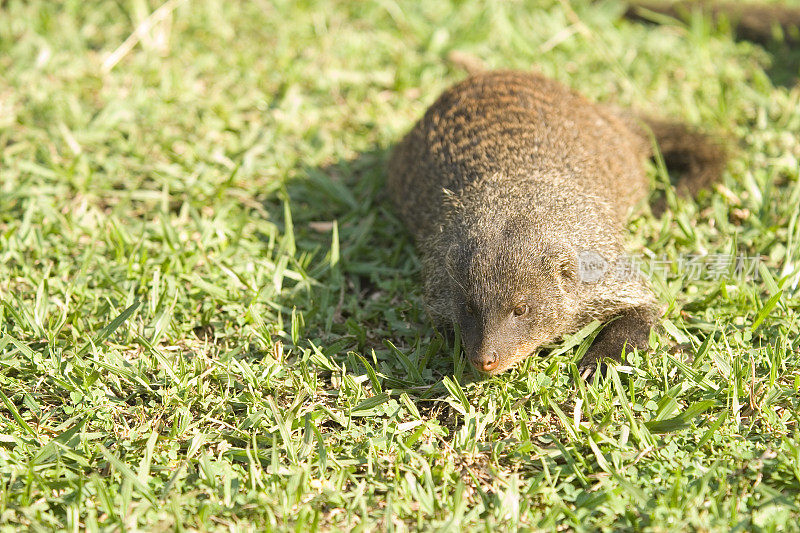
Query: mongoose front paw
{"points": [[596, 360], [628, 331]]}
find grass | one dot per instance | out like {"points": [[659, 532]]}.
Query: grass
{"points": [[211, 320]]}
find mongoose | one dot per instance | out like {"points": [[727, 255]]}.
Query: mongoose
{"points": [[506, 183], [750, 21]]}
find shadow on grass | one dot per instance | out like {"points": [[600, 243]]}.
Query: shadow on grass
{"points": [[785, 68], [364, 307], [748, 21]]}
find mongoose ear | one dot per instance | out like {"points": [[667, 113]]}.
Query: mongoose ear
{"points": [[561, 258], [568, 265]]}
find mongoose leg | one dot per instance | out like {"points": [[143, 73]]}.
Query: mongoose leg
{"points": [[630, 330]]}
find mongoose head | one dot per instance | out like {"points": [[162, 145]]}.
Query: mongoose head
{"points": [[511, 294]]}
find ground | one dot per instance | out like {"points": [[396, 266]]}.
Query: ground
{"points": [[210, 318]]}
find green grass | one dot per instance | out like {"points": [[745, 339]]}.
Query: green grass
{"points": [[210, 318]]}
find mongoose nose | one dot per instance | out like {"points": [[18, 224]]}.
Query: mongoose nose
{"points": [[488, 362]]}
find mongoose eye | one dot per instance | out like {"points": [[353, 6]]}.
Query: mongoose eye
{"points": [[521, 309], [470, 310]]}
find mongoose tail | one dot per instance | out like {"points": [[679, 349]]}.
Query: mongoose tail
{"points": [[760, 23], [697, 158]]}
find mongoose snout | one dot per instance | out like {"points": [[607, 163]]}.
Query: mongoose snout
{"points": [[515, 291], [505, 183]]}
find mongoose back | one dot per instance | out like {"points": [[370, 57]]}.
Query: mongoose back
{"points": [[508, 183]]}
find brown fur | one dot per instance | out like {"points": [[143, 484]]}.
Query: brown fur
{"points": [[505, 182]]}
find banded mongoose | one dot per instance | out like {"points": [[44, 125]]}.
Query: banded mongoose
{"points": [[506, 183]]}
